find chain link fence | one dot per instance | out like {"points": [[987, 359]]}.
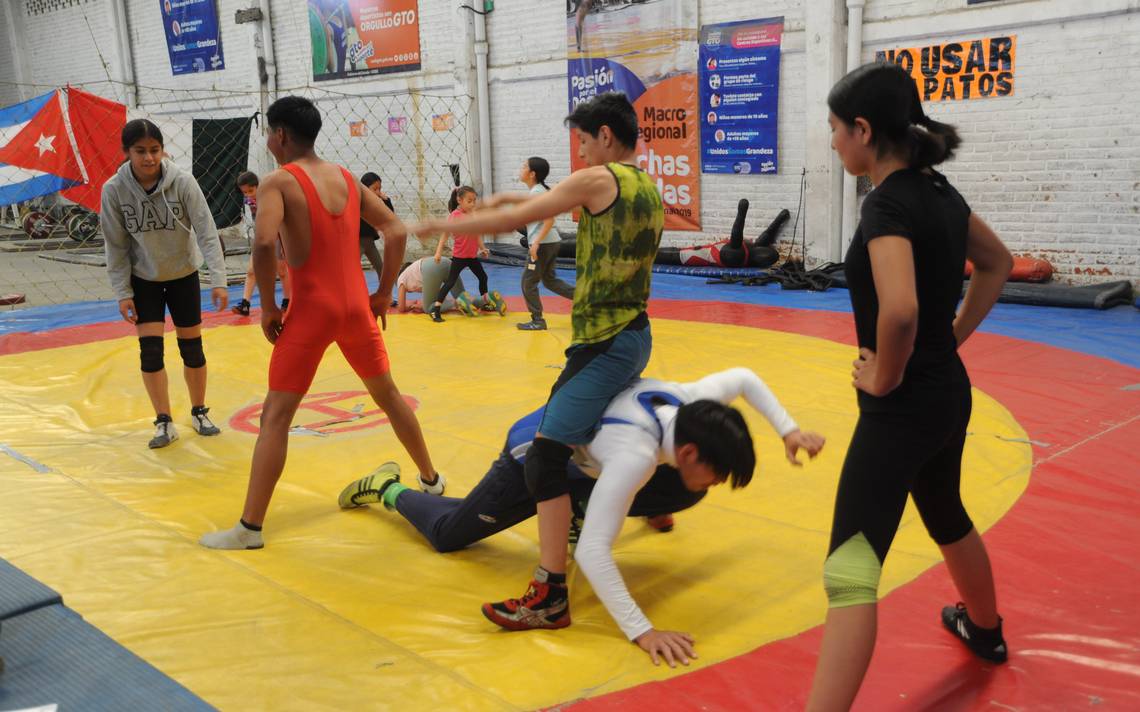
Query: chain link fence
{"points": [[51, 248]]}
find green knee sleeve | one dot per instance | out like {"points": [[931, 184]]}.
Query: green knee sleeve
{"points": [[851, 574]]}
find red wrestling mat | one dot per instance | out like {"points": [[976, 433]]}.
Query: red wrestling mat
{"points": [[1065, 556]]}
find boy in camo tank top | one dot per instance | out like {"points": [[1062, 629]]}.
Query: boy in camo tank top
{"points": [[620, 229]]}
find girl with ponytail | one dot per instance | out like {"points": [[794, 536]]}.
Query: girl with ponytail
{"points": [[464, 255], [543, 241], [904, 271]]}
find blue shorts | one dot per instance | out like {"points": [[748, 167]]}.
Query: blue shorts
{"points": [[593, 375]]}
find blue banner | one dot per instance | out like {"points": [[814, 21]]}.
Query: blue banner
{"points": [[739, 95], [192, 36]]}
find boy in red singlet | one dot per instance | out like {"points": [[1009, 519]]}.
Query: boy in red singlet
{"points": [[316, 207]]}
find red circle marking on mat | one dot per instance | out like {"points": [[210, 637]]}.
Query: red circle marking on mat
{"points": [[335, 420]]}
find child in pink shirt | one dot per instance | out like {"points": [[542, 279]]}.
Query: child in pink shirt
{"points": [[465, 255]]}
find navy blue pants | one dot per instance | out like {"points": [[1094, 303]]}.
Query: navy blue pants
{"points": [[501, 500]]}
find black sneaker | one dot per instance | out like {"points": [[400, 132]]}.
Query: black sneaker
{"points": [[532, 325], [986, 643], [241, 308], [285, 304], [435, 315]]}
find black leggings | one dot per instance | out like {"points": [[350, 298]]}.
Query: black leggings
{"points": [[894, 453], [457, 265]]}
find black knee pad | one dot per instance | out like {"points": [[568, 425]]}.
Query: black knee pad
{"points": [[192, 354], [150, 354], [545, 469]]}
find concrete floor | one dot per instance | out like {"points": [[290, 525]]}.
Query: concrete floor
{"points": [[45, 281]]}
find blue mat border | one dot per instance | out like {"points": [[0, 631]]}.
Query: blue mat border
{"points": [[1111, 333]]}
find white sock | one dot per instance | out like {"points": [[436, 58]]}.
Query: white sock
{"points": [[237, 537], [436, 487]]}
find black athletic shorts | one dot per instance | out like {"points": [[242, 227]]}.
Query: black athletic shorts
{"points": [[183, 296]]}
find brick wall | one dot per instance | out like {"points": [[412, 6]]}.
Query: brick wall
{"points": [[67, 41]]}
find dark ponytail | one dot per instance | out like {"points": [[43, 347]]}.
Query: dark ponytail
{"points": [[456, 194], [541, 169], [138, 129], [885, 96], [932, 142]]}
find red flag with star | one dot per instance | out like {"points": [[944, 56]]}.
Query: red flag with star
{"points": [[44, 145], [97, 124]]}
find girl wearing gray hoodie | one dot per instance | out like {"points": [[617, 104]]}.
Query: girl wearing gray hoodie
{"points": [[148, 209]]}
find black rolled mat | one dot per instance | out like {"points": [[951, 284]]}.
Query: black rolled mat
{"points": [[1089, 296]]}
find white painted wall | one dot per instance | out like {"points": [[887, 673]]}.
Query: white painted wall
{"points": [[1055, 168]]}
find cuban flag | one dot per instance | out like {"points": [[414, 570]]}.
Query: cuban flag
{"points": [[65, 140], [36, 155]]}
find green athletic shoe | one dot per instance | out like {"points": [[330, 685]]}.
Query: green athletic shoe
{"points": [[370, 488], [496, 300], [463, 301]]}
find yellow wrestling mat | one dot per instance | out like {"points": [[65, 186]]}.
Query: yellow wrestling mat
{"points": [[353, 610]]}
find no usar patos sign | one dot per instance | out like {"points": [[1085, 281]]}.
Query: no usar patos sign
{"points": [[966, 69]]}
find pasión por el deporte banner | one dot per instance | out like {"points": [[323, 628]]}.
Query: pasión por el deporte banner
{"points": [[645, 51]]}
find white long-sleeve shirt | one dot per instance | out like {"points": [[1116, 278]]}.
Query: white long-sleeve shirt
{"points": [[636, 435]]}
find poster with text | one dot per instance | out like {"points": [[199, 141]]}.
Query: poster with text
{"points": [[968, 69], [647, 50], [356, 38], [192, 37], [739, 89]]}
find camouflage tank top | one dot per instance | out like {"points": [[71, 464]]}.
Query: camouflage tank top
{"points": [[615, 253]]}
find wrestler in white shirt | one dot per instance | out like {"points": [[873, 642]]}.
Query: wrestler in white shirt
{"points": [[637, 433]]}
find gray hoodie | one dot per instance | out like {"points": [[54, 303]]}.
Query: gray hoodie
{"points": [[149, 235]]}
